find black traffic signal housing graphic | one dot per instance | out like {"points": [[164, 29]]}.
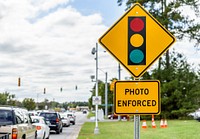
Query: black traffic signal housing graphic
{"points": [[137, 40]]}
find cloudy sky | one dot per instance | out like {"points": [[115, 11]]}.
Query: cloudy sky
{"points": [[48, 43]]}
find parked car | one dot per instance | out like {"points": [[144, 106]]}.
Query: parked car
{"points": [[43, 130], [196, 115], [65, 119], [16, 122], [72, 117], [54, 120], [115, 116]]}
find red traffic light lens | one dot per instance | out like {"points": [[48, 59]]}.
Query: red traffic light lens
{"points": [[137, 24]]}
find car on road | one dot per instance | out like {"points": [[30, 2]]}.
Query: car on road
{"points": [[17, 123], [54, 121], [84, 111], [65, 119], [72, 117], [43, 130]]}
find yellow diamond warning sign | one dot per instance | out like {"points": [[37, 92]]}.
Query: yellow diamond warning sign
{"points": [[137, 97], [137, 40]]}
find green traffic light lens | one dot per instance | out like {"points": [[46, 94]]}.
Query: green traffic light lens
{"points": [[136, 56]]}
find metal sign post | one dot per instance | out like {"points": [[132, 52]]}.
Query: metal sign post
{"points": [[136, 126]]}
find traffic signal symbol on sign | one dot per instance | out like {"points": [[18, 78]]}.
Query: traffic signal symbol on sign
{"points": [[136, 40]]}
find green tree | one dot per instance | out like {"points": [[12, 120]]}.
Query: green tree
{"points": [[29, 103], [179, 94], [3, 99], [7, 99]]}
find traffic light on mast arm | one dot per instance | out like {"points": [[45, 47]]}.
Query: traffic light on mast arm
{"points": [[19, 82], [44, 90], [136, 40]]}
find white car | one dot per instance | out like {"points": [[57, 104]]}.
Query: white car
{"points": [[65, 119], [72, 117], [43, 130]]}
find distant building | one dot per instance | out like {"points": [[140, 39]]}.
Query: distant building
{"points": [[81, 108]]}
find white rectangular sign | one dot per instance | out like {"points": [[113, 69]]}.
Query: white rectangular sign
{"points": [[96, 100]]}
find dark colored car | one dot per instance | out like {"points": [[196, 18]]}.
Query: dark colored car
{"points": [[84, 111], [115, 116], [54, 121]]}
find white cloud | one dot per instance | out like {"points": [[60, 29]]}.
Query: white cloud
{"points": [[48, 45]]}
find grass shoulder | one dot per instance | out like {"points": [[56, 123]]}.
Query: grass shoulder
{"points": [[178, 129]]}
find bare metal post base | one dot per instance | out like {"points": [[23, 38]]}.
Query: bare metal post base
{"points": [[96, 130]]}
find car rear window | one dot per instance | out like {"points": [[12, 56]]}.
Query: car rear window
{"points": [[49, 116], [70, 115], [6, 117]]}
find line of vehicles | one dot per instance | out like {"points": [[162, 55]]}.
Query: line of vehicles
{"points": [[18, 123]]}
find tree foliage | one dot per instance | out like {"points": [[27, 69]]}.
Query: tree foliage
{"points": [[180, 92], [7, 99], [29, 103]]}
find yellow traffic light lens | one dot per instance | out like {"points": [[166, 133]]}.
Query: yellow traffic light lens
{"points": [[136, 40]]}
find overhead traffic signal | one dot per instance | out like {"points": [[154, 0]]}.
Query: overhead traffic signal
{"points": [[44, 90], [137, 40], [19, 81]]}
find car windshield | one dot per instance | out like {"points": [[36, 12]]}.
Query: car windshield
{"points": [[48, 116], [6, 117]]}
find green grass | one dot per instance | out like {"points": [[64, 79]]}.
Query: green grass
{"points": [[90, 114], [177, 129]]}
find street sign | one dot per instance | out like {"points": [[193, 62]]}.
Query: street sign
{"points": [[96, 100], [137, 40], [137, 97]]}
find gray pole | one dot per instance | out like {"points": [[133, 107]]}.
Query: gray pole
{"points": [[106, 96], [119, 117], [96, 130], [136, 126]]}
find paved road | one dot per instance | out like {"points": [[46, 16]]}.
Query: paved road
{"points": [[72, 131]]}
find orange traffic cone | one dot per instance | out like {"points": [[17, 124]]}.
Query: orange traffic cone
{"points": [[153, 124], [144, 124], [165, 123], [162, 123]]}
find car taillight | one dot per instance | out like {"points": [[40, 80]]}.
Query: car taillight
{"points": [[14, 133], [38, 127], [57, 120]]}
